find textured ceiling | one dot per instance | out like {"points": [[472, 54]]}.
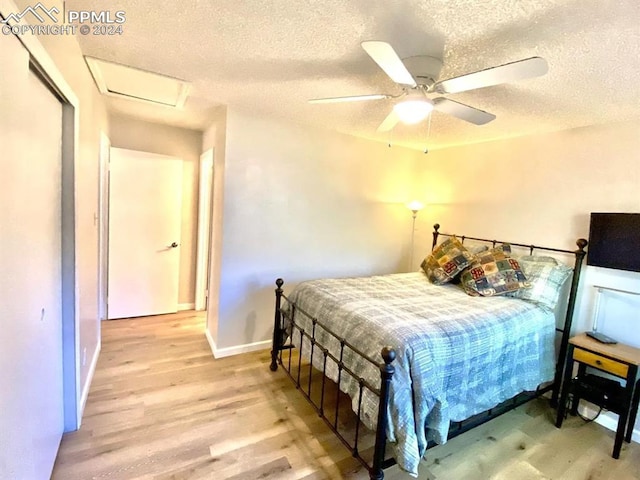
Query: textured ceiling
{"points": [[271, 56]]}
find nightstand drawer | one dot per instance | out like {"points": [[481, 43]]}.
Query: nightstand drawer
{"points": [[600, 362]]}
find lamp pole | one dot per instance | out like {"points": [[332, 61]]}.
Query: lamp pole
{"points": [[415, 206], [413, 233]]}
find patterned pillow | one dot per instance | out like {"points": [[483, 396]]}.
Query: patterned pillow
{"points": [[446, 261], [547, 277], [475, 250], [493, 272]]}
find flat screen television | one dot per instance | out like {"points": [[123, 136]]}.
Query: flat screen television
{"points": [[614, 241]]}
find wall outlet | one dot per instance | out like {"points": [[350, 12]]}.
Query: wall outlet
{"points": [[84, 356]]}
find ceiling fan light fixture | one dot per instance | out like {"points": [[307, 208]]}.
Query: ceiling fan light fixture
{"points": [[413, 109]]}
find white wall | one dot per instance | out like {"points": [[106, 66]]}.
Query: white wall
{"points": [[136, 134], [301, 203], [541, 189], [537, 189]]}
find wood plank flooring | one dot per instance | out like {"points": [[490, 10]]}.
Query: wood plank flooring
{"points": [[160, 407]]}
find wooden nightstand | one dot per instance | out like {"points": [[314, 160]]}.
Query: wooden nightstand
{"points": [[619, 360]]}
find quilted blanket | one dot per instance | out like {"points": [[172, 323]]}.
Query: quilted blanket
{"points": [[456, 355]]}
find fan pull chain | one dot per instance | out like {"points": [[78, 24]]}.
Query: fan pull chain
{"points": [[426, 148]]}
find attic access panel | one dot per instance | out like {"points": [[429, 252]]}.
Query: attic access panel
{"points": [[122, 81]]}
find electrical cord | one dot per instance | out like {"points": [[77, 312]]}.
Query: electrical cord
{"points": [[586, 419]]}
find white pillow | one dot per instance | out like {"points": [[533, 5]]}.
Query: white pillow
{"points": [[546, 276]]}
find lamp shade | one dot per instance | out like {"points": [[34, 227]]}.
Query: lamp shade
{"points": [[414, 109], [415, 206]]}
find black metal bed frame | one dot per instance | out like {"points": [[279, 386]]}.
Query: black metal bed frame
{"points": [[388, 354]]}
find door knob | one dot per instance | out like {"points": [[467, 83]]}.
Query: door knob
{"points": [[173, 245]]}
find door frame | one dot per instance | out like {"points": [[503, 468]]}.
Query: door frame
{"points": [[205, 198], [44, 65], [103, 228]]}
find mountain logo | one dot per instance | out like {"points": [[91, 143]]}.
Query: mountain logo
{"points": [[16, 17]]}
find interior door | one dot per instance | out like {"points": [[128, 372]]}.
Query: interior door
{"points": [[31, 382], [145, 203]]}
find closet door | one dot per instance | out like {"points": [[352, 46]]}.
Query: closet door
{"points": [[31, 402]]}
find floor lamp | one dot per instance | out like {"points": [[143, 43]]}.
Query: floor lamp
{"points": [[415, 206]]}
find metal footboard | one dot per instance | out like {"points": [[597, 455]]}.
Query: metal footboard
{"points": [[286, 327]]}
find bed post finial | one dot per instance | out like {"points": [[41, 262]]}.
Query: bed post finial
{"points": [[582, 243], [277, 327], [436, 227], [386, 372], [388, 355]]}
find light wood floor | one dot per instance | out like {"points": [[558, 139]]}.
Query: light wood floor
{"points": [[160, 407]]}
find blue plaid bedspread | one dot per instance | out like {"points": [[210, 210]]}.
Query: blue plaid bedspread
{"points": [[456, 355]]}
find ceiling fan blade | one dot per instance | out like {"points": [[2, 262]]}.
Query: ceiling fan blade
{"points": [[388, 60], [353, 98], [389, 122], [462, 111], [510, 72]]}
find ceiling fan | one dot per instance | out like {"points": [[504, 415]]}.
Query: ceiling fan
{"points": [[418, 77]]}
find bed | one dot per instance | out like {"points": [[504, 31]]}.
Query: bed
{"points": [[419, 360]]}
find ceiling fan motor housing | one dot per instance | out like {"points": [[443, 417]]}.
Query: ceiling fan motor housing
{"points": [[425, 69]]}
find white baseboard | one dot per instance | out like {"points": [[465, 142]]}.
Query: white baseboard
{"points": [[608, 420], [87, 385], [186, 306], [237, 350], [212, 344]]}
